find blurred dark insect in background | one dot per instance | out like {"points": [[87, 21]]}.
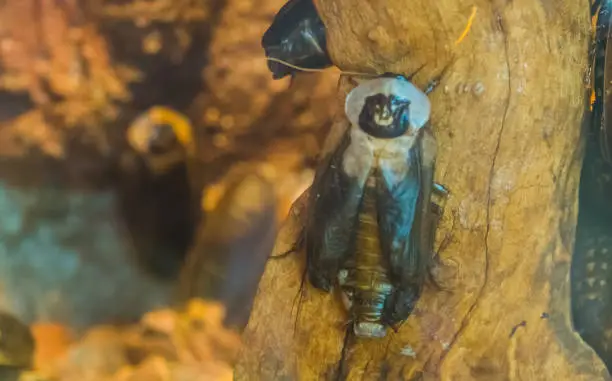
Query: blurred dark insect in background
{"points": [[156, 199]]}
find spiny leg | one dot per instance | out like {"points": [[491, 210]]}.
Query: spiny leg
{"points": [[439, 196]]}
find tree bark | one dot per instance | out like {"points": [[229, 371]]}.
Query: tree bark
{"points": [[507, 120]]}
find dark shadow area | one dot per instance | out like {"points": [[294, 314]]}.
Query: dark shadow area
{"points": [[161, 212], [591, 269], [167, 80], [14, 104]]}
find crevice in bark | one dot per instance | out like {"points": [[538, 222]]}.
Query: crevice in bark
{"points": [[474, 305]]}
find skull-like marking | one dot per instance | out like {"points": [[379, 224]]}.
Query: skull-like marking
{"points": [[387, 107], [385, 117]]}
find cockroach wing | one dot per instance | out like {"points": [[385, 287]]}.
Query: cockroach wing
{"points": [[333, 203], [297, 36], [398, 202], [401, 196]]}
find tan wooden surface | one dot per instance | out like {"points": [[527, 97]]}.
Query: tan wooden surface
{"points": [[507, 119]]}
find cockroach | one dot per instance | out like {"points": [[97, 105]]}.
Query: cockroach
{"points": [[297, 36], [371, 222], [157, 198]]}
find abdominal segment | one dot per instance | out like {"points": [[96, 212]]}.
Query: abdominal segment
{"points": [[364, 280]]}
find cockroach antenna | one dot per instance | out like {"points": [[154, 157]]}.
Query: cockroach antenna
{"points": [[431, 86], [411, 75], [428, 89], [408, 77], [309, 70]]}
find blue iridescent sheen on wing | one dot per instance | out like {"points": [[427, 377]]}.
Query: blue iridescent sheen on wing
{"points": [[403, 233], [334, 201]]}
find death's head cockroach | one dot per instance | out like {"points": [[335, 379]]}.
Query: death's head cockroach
{"points": [[296, 36], [156, 198], [371, 217]]}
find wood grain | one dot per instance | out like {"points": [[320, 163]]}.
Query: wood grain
{"points": [[507, 118]]}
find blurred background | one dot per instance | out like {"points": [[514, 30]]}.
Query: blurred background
{"points": [[135, 134]]}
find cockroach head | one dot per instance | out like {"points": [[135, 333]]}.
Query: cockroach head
{"points": [[163, 139], [387, 107], [150, 137]]}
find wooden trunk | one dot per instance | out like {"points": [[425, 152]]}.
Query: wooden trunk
{"points": [[507, 118]]}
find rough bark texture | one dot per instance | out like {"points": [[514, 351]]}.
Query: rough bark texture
{"points": [[507, 119]]}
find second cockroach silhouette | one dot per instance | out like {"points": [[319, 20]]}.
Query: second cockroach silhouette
{"points": [[297, 36], [371, 215], [156, 197]]}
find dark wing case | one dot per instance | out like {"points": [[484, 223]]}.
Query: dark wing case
{"points": [[403, 220], [160, 231], [334, 202], [297, 36]]}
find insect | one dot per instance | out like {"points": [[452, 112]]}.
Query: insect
{"points": [[601, 75], [371, 223], [296, 36], [156, 196]]}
